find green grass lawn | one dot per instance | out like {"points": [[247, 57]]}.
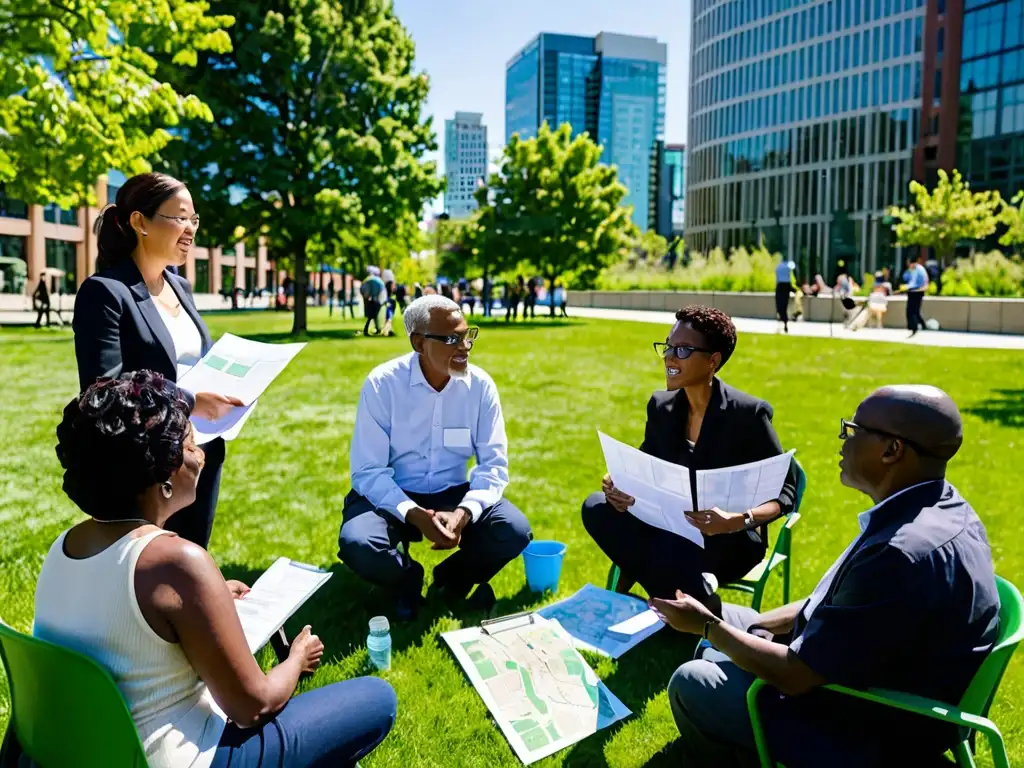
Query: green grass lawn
{"points": [[285, 478]]}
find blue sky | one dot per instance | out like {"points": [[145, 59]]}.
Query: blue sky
{"points": [[464, 44]]}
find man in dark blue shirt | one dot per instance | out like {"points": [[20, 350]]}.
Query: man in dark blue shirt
{"points": [[911, 605]]}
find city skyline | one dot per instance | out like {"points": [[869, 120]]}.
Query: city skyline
{"points": [[465, 52]]}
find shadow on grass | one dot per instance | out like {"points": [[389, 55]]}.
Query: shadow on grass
{"points": [[341, 609], [639, 676], [1006, 407]]}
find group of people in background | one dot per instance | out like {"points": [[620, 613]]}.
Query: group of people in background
{"points": [[914, 284]]}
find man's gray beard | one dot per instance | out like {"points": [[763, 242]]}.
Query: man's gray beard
{"points": [[457, 374]]}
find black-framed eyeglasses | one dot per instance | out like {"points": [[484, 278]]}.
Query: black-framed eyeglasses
{"points": [[452, 339], [680, 352], [181, 221], [848, 429]]}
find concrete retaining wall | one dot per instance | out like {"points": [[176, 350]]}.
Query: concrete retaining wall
{"points": [[953, 314]]}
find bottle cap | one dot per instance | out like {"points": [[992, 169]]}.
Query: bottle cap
{"points": [[380, 624]]}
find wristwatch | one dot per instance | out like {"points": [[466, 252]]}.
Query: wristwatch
{"points": [[748, 519]]}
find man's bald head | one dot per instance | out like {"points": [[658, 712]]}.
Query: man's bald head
{"points": [[901, 435], [923, 415]]}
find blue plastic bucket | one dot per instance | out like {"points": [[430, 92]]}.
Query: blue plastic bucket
{"points": [[543, 561]]}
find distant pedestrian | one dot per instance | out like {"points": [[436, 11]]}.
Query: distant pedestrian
{"points": [[389, 311], [917, 286], [530, 299], [374, 295], [400, 294], [330, 297], [41, 302], [513, 293], [417, 290], [561, 298], [783, 289]]}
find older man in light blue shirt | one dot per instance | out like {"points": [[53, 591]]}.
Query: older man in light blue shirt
{"points": [[421, 418]]}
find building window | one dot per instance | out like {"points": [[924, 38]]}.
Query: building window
{"points": [[11, 207], [202, 284], [60, 254], [12, 276]]}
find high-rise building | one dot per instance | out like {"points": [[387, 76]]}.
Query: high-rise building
{"points": [[465, 162], [610, 86], [974, 85], [668, 190], [804, 120]]}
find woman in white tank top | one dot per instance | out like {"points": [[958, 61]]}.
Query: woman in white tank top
{"points": [[154, 610]]}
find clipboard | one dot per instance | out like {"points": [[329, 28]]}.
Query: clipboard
{"points": [[491, 627]]}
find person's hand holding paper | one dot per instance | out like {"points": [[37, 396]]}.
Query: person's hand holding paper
{"points": [[711, 522], [213, 406], [620, 501]]}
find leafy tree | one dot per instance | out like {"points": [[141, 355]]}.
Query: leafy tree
{"points": [[318, 130], [1012, 217], [78, 91], [652, 246], [943, 217], [552, 203]]}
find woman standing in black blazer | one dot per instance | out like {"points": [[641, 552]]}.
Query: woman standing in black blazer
{"points": [[136, 314], [700, 423]]}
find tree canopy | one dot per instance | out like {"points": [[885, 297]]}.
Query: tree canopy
{"points": [[79, 93], [553, 204], [946, 215], [318, 130]]}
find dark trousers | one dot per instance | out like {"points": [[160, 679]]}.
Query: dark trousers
{"points": [[914, 319], [661, 561], [782, 291], [511, 309], [369, 539], [372, 309], [43, 310], [195, 522], [331, 726]]}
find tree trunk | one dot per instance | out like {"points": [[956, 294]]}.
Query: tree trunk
{"points": [[551, 297], [299, 318]]}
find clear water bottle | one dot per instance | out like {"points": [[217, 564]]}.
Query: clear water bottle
{"points": [[379, 643]]}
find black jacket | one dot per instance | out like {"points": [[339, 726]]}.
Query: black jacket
{"points": [[737, 429], [118, 328]]}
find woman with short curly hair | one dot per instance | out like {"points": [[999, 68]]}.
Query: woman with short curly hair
{"points": [[701, 423], [154, 610]]}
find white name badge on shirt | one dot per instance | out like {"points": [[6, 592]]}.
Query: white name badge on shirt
{"points": [[457, 438]]}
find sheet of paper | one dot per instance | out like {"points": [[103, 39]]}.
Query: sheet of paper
{"points": [[743, 486], [240, 368], [589, 615], [661, 489], [228, 427], [275, 597], [640, 623], [540, 691]]}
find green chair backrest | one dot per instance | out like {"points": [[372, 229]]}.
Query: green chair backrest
{"points": [[783, 541], [65, 708], [982, 689]]}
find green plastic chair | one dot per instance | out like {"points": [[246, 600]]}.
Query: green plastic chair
{"points": [[781, 555], [972, 712], [66, 709]]}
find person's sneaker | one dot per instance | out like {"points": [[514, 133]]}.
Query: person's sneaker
{"points": [[482, 599]]}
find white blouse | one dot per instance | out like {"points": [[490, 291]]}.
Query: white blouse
{"points": [[188, 344]]}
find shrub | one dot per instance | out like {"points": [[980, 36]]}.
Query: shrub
{"points": [[984, 274], [743, 270]]}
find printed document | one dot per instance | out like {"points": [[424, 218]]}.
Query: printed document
{"points": [[235, 367], [592, 615], [540, 691], [662, 489], [275, 597]]}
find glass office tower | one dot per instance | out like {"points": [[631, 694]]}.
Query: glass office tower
{"points": [[610, 86], [804, 117], [990, 149]]}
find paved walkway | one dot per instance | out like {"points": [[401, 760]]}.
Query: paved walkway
{"points": [[823, 330]]}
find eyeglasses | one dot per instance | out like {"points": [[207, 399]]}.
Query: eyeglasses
{"points": [[681, 352], [181, 221], [848, 429], [453, 339]]}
